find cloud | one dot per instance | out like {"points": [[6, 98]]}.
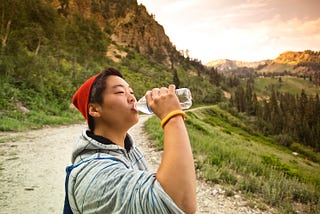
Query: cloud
{"points": [[250, 7], [296, 32], [239, 29], [179, 6], [261, 40]]}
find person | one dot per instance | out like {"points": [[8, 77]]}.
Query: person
{"points": [[109, 173]]}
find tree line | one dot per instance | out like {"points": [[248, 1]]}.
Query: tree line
{"points": [[293, 118], [45, 54]]}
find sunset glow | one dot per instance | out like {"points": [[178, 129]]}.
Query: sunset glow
{"points": [[247, 30]]}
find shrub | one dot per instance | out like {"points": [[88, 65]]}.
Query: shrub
{"points": [[306, 151], [276, 189], [284, 139], [227, 176], [250, 184]]}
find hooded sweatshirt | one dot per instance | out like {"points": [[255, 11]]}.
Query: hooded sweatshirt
{"points": [[112, 179]]}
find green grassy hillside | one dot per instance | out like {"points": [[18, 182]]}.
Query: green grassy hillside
{"points": [[276, 68], [284, 84], [46, 55], [46, 108], [228, 152]]}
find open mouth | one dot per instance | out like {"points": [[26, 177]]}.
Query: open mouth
{"points": [[135, 107]]}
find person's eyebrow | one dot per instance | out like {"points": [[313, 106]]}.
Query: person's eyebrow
{"points": [[121, 86]]}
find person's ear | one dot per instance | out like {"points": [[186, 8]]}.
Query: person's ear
{"points": [[94, 110]]}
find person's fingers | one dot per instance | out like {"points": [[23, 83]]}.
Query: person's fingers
{"points": [[163, 90], [148, 96], [172, 88], [155, 93]]}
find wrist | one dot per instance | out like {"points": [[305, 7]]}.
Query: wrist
{"points": [[172, 114]]}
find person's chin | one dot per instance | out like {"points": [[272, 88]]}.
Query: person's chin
{"points": [[137, 119]]}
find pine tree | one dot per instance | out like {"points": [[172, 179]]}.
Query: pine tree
{"points": [[248, 98], [214, 77], [302, 125], [240, 99], [255, 105], [315, 129], [280, 81], [276, 117], [266, 111], [317, 107], [176, 80], [303, 102]]}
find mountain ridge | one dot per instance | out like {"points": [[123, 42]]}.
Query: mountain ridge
{"points": [[126, 23], [227, 64], [289, 61]]}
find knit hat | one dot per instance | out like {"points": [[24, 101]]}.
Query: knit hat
{"points": [[81, 98]]}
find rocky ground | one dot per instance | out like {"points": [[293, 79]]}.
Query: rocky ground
{"points": [[32, 172]]}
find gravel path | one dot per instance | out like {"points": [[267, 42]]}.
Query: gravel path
{"points": [[32, 165]]}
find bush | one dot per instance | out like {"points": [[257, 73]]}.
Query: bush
{"points": [[227, 176], [284, 139], [10, 124], [306, 151], [276, 189], [250, 184]]}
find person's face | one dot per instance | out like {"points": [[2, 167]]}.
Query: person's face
{"points": [[118, 107]]}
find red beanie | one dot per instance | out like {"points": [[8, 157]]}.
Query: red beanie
{"points": [[81, 98]]}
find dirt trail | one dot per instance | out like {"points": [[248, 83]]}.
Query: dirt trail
{"points": [[32, 172]]}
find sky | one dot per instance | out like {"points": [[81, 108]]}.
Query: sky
{"points": [[246, 30]]}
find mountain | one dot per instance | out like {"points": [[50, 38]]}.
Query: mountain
{"points": [[49, 47], [302, 62], [226, 64], [299, 63], [126, 23], [294, 58]]}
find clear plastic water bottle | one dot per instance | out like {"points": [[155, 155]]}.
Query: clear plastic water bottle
{"points": [[183, 94]]}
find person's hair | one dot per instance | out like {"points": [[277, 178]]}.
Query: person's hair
{"points": [[97, 89]]}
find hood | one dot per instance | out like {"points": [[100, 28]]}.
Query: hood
{"points": [[86, 146]]}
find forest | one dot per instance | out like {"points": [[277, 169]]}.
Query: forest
{"points": [[289, 117]]}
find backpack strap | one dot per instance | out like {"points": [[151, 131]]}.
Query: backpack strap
{"points": [[67, 209]]}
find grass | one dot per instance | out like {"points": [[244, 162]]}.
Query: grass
{"points": [[229, 153], [4, 138], [289, 84], [17, 121]]}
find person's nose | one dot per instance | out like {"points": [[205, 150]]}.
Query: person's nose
{"points": [[131, 98]]}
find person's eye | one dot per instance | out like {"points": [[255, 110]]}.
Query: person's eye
{"points": [[131, 92], [120, 92]]}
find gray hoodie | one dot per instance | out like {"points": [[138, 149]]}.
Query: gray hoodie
{"points": [[111, 179]]}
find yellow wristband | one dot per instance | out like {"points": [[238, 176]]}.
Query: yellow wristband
{"points": [[171, 115]]}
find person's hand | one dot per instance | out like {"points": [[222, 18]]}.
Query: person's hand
{"points": [[162, 101]]}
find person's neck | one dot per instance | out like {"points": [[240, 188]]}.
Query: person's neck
{"points": [[115, 136]]}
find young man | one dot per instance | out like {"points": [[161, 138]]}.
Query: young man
{"points": [[109, 173]]}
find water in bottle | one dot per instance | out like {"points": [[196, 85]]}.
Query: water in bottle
{"points": [[183, 94]]}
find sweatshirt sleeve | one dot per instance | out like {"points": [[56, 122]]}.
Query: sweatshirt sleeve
{"points": [[109, 186]]}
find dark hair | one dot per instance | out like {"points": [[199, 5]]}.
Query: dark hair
{"points": [[97, 88]]}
